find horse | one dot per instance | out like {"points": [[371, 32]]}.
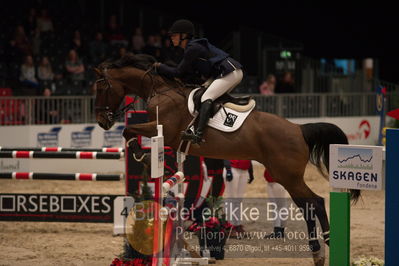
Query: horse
{"points": [[284, 148]]}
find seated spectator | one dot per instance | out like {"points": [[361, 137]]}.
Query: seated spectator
{"points": [[115, 35], [77, 43], [158, 40], [13, 54], [286, 85], [30, 23], [151, 47], [47, 109], [45, 71], [164, 34], [21, 40], [74, 66], [98, 49], [36, 42], [137, 41], [268, 85], [28, 73], [44, 22], [167, 52], [122, 52]]}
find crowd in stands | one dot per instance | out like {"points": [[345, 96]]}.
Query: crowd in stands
{"points": [[36, 54], [41, 52]]}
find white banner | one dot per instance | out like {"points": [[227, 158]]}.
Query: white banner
{"points": [[360, 130], [356, 167], [66, 136]]}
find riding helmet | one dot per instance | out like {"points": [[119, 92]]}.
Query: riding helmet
{"points": [[182, 26]]}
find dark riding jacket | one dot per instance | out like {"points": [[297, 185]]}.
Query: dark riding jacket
{"points": [[201, 59]]}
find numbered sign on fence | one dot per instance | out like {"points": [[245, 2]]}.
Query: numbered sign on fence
{"points": [[356, 167], [122, 206]]}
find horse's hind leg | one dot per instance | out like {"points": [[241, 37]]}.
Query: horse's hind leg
{"points": [[312, 206]]}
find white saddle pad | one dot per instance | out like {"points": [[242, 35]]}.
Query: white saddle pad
{"points": [[226, 119]]}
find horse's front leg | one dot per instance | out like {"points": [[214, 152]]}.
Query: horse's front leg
{"points": [[148, 130], [130, 134]]}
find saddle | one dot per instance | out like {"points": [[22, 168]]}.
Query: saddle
{"points": [[238, 103]]}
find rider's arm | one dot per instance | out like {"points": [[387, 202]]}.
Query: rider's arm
{"points": [[185, 66]]}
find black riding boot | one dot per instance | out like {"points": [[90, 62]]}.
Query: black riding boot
{"points": [[205, 112]]}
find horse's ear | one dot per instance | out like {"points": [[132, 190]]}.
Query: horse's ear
{"points": [[97, 71]]}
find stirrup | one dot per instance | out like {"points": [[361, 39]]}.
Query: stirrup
{"points": [[192, 137]]}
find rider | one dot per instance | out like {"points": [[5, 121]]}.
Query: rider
{"points": [[204, 61]]}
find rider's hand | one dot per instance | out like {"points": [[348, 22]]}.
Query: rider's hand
{"points": [[156, 64], [229, 175]]}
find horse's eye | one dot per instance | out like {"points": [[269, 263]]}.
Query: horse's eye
{"points": [[101, 85]]}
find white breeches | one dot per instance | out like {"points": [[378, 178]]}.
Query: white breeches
{"points": [[277, 195], [234, 192], [222, 85]]}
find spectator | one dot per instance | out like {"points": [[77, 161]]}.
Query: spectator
{"points": [[77, 43], [164, 34], [47, 109], [286, 85], [28, 73], [21, 41], [151, 47], [167, 53], [115, 35], [30, 23], [44, 22], [268, 85], [74, 66], [137, 41], [158, 40], [98, 49], [122, 52], [36, 42], [13, 54], [237, 174], [45, 71]]}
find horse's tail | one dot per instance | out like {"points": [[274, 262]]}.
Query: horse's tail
{"points": [[319, 136]]}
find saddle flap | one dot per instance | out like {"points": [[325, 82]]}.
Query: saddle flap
{"points": [[227, 117]]}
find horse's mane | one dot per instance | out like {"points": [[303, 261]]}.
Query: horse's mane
{"points": [[140, 61]]}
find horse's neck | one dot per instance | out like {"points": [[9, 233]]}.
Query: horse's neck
{"points": [[152, 87], [137, 82], [172, 101]]}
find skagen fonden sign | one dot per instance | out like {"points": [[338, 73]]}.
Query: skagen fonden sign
{"points": [[356, 167]]}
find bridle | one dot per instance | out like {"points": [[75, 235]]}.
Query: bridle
{"points": [[107, 110], [112, 117]]}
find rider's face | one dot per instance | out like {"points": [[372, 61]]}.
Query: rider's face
{"points": [[175, 37]]}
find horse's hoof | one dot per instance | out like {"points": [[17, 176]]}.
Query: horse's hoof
{"points": [[318, 259]]}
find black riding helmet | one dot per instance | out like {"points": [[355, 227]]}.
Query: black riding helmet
{"points": [[182, 26]]}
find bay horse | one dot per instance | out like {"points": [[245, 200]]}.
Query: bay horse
{"points": [[284, 148]]}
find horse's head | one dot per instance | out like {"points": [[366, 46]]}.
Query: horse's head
{"points": [[109, 96], [129, 74]]}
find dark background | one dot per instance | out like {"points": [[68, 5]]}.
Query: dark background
{"points": [[328, 29]]}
